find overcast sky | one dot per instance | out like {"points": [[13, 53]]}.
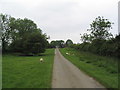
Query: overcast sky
{"points": [[63, 19]]}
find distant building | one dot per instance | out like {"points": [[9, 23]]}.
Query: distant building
{"points": [[119, 17]]}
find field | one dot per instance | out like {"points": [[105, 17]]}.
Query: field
{"points": [[103, 69], [28, 71]]}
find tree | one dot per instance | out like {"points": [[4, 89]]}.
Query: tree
{"points": [[35, 43], [26, 38], [21, 35], [57, 43], [4, 31], [100, 27], [22, 27], [69, 42], [100, 41], [60, 43], [86, 37]]}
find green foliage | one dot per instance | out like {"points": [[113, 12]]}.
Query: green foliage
{"points": [[35, 43], [69, 42], [84, 46], [21, 35], [101, 47], [100, 41], [100, 27], [16, 46], [76, 46], [96, 46], [22, 27], [60, 43], [57, 43], [86, 37], [4, 31]]}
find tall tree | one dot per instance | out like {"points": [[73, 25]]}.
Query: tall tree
{"points": [[4, 31], [26, 37], [100, 28], [22, 27]]}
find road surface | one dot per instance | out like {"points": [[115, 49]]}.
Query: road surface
{"points": [[66, 75]]}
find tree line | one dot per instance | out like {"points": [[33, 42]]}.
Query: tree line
{"points": [[60, 43], [24, 37], [21, 35], [100, 41]]}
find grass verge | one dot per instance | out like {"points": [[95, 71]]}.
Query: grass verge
{"points": [[27, 71], [103, 69]]}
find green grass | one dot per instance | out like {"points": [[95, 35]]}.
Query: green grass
{"points": [[103, 69], [27, 71]]}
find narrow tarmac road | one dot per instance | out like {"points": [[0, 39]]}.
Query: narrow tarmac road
{"points": [[66, 75]]}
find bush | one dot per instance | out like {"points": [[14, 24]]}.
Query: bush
{"points": [[101, 47], [34, 43]]}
